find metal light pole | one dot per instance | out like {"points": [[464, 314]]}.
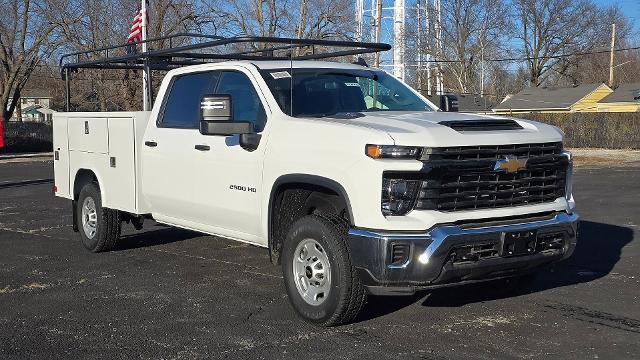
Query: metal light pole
{"points": [[146, 71], [398, 39], [419, 71], [429, 57], [439, 47], [359, 20]]}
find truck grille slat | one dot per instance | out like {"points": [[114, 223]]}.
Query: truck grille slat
{"points": [[492, 152], [463, 178]]}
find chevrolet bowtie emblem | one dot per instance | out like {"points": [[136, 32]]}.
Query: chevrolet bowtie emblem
{"points": [[510, 164]]}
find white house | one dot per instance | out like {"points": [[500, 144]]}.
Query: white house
{"points": [[35, 105]]}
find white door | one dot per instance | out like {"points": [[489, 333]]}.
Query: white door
{"points": [[228, 179], [169, 157]]}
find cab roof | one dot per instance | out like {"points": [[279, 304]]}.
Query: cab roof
{"points": [[306, 64]]}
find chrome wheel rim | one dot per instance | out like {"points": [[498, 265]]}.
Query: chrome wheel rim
{"points": [[312, 272], [89, 217]]}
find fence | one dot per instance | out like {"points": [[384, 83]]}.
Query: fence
{"points": [[27, 137], [595, 130]]}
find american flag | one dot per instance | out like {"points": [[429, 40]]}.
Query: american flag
{"points": [[137, 28]]}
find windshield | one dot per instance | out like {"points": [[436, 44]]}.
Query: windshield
{"points": [[325, 92]]}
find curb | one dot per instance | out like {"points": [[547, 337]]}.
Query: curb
{"points": [[24, 156]]}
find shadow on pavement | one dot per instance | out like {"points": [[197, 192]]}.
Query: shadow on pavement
{"points": [[598, 250], [16, 184], [383, 305], [160, 235]]}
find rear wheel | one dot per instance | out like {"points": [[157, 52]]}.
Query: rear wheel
{"points": [[322, 285], [99, 227]]}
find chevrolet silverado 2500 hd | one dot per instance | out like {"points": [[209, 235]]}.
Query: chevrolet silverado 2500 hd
{"points": [[354, 181]]}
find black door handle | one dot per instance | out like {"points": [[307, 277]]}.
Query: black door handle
{"points": [[151, 143], [202, 147]]}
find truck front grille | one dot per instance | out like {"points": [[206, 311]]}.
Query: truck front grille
{"points": [[463, 178]]}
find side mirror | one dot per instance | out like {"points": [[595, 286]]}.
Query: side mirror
{"points": [[216, 117], [449, 103]]}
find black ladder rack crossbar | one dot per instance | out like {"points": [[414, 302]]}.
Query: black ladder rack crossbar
{"points": [[171, 57]]}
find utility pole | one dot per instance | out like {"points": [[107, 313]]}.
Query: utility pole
{"points": [[613, 45], [376, 64], [378, 22]]}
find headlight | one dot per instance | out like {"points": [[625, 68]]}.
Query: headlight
{"points": [[398, 195], [568, 190], [393, 152]]}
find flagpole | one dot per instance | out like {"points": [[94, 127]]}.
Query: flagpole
{"points": [[146, 71]]}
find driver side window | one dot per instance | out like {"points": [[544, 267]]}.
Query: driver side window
{"points": [[245, 101]]}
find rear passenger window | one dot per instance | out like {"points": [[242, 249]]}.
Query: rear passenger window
{"points": [[182, 107]]}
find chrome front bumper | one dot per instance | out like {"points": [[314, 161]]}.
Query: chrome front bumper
{"points": [[429, 261]]}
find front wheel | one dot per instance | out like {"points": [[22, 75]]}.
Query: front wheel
{"points": [[322, 285], [99, 227]]}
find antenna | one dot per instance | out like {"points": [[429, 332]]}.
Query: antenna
{"points": [[291, 80]]}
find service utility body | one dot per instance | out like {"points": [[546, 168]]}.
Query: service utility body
{"points": [[354, 182]]}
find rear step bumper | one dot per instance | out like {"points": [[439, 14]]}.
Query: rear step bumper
{"points": [[400, 263]]}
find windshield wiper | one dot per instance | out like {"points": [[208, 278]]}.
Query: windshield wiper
{"points": [[319, 115], [340, 115]]}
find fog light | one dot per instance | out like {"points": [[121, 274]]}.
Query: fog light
{"points": [[423, 258], [398, 196]]}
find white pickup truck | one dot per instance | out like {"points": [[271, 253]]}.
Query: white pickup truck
{"points": [[354, 182]]}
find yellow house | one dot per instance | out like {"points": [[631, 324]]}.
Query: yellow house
{"points": [[581, 98], [625, 98]]}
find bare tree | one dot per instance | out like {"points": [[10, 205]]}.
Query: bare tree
{"points": [[106, 22], [26, 37], [470, 30], [285, 18], [594, 68], [549, 28]]}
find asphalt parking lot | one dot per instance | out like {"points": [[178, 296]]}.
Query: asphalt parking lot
{"points": [[169, 293]]}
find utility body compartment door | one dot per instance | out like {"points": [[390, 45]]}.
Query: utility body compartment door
{"points": [[120, 172], [88, 135]]}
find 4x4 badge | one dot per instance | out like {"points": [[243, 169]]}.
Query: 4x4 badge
{"points": [[510, 163]]}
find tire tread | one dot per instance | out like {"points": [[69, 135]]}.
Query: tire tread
{"points": [[109, 221], [352, 304]]}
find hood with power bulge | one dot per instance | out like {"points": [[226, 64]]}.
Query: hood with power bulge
{"points": [[424, 129]]}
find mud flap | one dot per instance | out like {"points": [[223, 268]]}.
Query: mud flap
{"points": [[74, 207]]}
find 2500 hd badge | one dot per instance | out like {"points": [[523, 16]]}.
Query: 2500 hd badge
{"points": [[242, 188]]}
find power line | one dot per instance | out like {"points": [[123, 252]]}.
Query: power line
{"points": [[540, 57]]}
